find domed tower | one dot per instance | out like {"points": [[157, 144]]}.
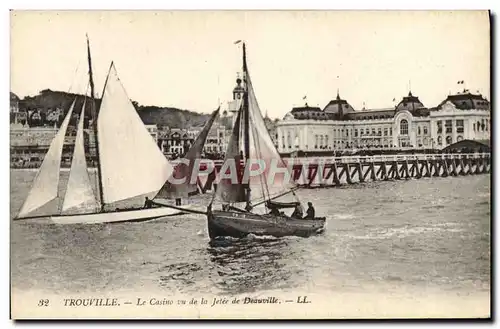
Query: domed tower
{"points": [[238, 91], [409, 103], [338, 107]]}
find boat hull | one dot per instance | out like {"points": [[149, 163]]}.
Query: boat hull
{"points": [[238, 225], [127, 215]]}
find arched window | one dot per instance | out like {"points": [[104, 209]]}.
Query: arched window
{"points": [[474, 127], [419, 131], [459, 138], [448, 140], [403, 127], [440, 140]]}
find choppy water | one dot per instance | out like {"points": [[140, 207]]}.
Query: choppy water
{"points": [[428, 234]]}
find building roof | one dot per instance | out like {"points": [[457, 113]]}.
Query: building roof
{"points": [[370, 115], [409, 103], [335, 105], [467, 101]]}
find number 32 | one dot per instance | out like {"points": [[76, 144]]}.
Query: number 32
{"points": [[43, 302]]}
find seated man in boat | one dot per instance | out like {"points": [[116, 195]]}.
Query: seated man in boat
{"points": [[297, 213], [275, 211], [310, 211], [148, 203]]}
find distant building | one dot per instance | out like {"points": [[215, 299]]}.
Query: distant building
{"points": [[407, 125], [217, 139], [153, 130], [17, 116], [176, 141]]}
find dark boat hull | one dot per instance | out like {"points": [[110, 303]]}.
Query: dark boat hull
{"points": [[238, 225]]}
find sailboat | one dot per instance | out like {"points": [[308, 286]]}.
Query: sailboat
{"points": [[130, 166], [184, 170], [250, 144]]}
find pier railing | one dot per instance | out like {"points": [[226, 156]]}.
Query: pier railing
{"points": [[392, 157], [315, 172]]}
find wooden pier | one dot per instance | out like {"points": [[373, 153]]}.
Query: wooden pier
{"points": [[336, 171]]}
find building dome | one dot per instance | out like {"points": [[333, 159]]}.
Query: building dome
{"points": [[409, 103], [467, 101], [337, 106]]}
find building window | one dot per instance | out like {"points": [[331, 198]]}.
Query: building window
{"points": [[347, 132], [385, 131], [321, 141], [440, 140], [373, 131], [459, 138], [361, 132], [440, 127], [390, 131], [425, 130], [482, 124], [448, 126], [474, 127], [355, 132], [316, 137], [403, 127], [326, 140], [486, 125], [380, 131], [419, 131], [448, 140], [460, 126]]}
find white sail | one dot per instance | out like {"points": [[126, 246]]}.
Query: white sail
{"points": [[79, 197], [45, 185], [265, 185], [130, 161]]}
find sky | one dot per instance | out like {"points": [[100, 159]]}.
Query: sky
{"points": [[188, 59]]}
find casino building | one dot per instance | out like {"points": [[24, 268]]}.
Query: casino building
{"points": [[409, 124]]}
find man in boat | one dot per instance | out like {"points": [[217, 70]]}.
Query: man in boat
{"points": [[275, 211], [310, 211], [297, 213], [148, 203]]}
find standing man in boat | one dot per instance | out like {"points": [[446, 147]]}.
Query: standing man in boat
{"points": [[310, 211]]}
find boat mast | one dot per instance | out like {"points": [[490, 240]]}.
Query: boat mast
{"points": [[94, 123], [246, 119]]}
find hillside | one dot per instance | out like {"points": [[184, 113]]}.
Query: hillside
{"points": [[48, 101]]}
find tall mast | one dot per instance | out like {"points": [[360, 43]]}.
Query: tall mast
{"points": [[246, 119], [94, 123]]}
